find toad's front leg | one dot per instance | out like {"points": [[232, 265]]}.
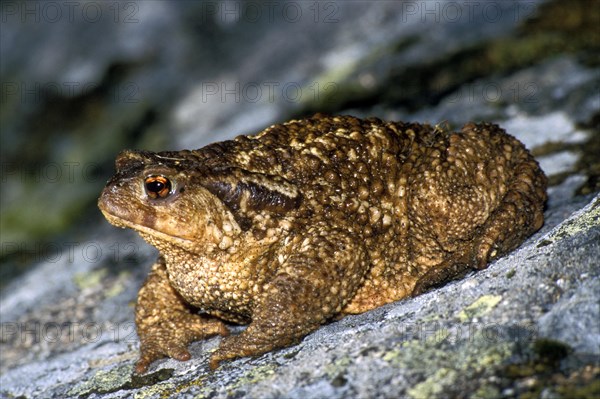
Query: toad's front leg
{"points": [[165, 324], [319, 273]]}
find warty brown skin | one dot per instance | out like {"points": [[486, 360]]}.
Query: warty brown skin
{"points": [[314, 219]]}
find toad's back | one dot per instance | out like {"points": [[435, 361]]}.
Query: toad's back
{"points": [[426, 202]]}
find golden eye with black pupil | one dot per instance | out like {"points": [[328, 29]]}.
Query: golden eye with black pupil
{"points": [[157, 186]]}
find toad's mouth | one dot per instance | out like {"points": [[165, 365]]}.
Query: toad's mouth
{"points": [[151, 235]]}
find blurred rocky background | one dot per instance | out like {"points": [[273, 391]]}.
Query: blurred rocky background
{"points": [[82, 80]]}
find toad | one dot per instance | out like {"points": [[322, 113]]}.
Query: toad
{"points": [[312, 220]]}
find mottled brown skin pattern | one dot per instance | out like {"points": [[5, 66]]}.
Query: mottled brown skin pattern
{"points": [[314, 219]]}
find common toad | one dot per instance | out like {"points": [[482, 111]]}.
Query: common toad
{"points": [[314, 219]]}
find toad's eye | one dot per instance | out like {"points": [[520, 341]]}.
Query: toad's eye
{"points": [[157, 186]]}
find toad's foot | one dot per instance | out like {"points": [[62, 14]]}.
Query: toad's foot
{"points": [[170, 338], [165, 323]]}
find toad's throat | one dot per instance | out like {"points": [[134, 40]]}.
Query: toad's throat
{"points": [[201, 285]]}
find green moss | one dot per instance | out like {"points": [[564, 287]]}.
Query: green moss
{"points": [[122, 377], [435, 385], [336, 369], [478, 366], [173, 390], [90, 279], [588, 389], [103, 381], [445, 369], [575, 226], [119, 284], [254, 375], [139, 381], [394, 357], [159, 390], [486, 392], [479, 308]]}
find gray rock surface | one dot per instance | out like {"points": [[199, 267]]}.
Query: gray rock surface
{"points": [[527, 325]]}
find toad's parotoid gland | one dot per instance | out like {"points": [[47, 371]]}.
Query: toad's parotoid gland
{"points": [[314, 219]]}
